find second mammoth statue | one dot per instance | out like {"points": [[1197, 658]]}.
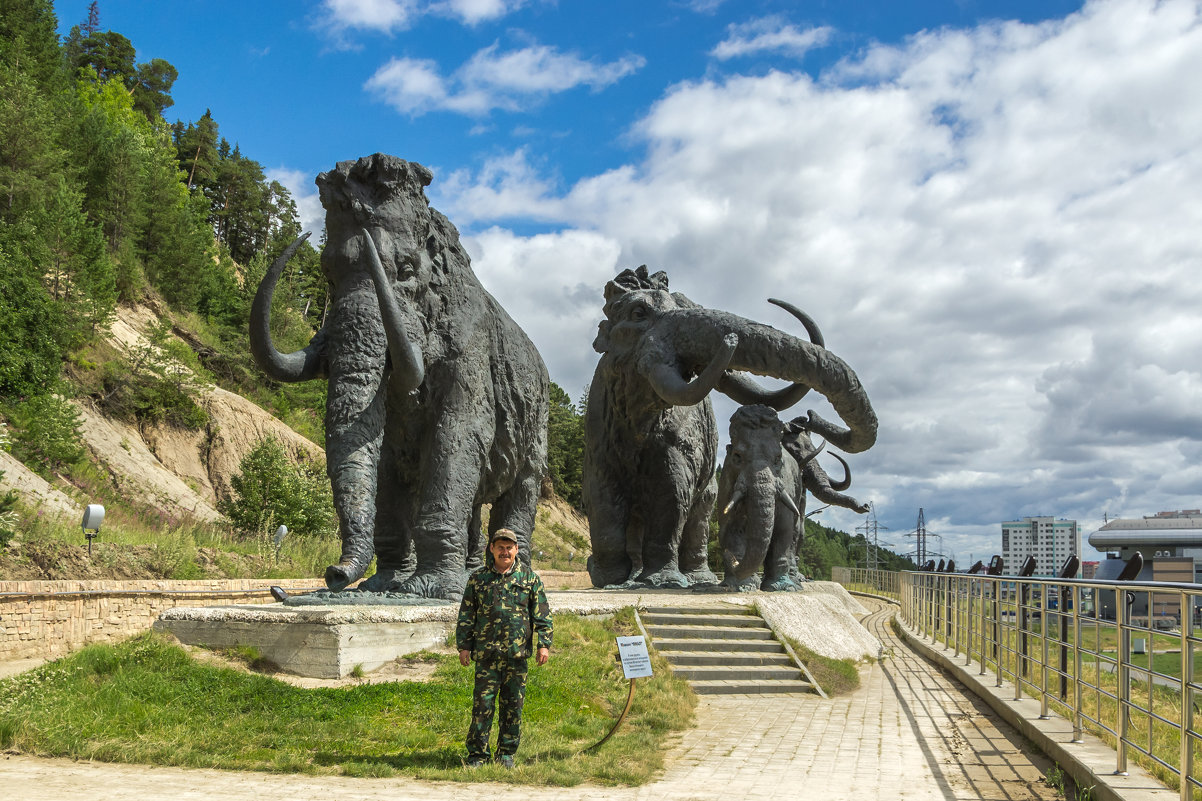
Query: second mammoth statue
{"points": [[437, 400], [650, 434]]}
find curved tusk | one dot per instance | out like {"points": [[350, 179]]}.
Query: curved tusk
{"points": [[300, 365], [735, 498], [784, 498], [408, 366], [841, 486]]}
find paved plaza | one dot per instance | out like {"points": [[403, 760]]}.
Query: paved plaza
{"points": [[909, 732]]}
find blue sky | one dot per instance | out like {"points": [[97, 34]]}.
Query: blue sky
{"points": [[990, 208]]}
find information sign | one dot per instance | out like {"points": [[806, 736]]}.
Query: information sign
{"points": [[636, 662]]}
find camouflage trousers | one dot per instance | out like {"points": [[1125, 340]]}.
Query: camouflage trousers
{"points": [[507, 678]]}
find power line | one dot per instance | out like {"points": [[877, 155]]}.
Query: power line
{"points": [[872, 528]]}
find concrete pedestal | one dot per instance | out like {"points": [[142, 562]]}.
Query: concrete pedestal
{"points": [[324, 642]]}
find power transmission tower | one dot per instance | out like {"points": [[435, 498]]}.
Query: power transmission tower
{"points": [[920, 540], [871, 531]]}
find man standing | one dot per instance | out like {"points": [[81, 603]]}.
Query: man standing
{"points": [[504, 607]]}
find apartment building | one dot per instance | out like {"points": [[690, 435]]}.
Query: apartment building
{"points": [[1048, 539]]}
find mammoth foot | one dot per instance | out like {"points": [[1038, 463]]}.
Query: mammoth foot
{"points": [[607, 576], [345, 573], [701, 578], [667, 578], [386, 580], [447, 585], [781, 584], [749, 584]]}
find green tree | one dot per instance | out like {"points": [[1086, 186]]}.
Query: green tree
{"points": [[270, 490], [565, 446], [46, 433], [31, 324]]}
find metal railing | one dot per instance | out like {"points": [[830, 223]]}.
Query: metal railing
{"points": [[1109, 656]]}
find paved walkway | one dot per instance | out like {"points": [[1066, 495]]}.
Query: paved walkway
{"points": [[908, 733]]}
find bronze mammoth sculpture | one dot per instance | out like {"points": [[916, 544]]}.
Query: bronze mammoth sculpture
{"points": [[437, 400]]}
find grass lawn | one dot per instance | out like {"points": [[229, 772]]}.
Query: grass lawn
{"points": [[147, 701]]}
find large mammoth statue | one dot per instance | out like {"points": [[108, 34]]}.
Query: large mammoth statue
{"points": [[437, 400], [650, 435], [768, 469]]}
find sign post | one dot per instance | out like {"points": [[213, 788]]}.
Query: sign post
{"points": [[636, 664]]}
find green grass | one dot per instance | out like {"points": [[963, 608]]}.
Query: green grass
{"points": [[147, 701], [834, 676]]}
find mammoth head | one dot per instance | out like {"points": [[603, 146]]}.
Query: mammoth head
{"points": [[385, 196], [755, 437], [634, 300]]}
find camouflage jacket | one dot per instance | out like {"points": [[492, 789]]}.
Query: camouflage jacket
{"points": [[500, 614]]}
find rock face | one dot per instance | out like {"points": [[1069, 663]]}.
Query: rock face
{"points": [[34, 489], [183, 473]]}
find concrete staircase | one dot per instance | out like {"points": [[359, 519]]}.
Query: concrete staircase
{"points": [[726, 650]]}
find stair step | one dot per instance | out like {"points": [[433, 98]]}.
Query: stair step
{"points": [[704, 658], [751, 687], [709, 633], [669, 646], [736, 673], [726, 609], [723, 621]]}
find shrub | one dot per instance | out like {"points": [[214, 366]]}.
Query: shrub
{"points": [[46, 433], [270, 490]]}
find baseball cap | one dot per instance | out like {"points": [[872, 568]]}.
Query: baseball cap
{"points": [[503, 534]]}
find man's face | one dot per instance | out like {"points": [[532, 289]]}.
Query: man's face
{"points": [[504, 553]]}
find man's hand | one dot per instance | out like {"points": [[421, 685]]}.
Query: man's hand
{"points": [[465, 657], [542, 656]]}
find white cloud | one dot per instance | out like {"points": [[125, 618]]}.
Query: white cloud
{"points": [[384, 16], [389, 16], [308, 204], [996, 227], [770, 35], [492, 79]]}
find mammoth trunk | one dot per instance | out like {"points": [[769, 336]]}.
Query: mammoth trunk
{"points": [[757, 497], [696, 335], [354, 428]]}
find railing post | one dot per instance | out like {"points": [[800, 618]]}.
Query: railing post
{"points": [[1123, 672], [1078, 725], [984, 583], [968, 597], [997, 630], [1185, 612], [1044, 665]]}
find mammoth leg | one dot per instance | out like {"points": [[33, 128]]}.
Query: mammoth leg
{"points": [[780, 558], [516, 509], [395, 513], [694, 540], [664, 497], [608, 516]]}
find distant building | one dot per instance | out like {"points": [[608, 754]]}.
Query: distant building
{"points": [[1049, 540], [1089, 570], [1170, 544]]}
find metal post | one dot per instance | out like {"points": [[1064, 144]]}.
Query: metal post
{"points": [[1123, 672], [997, 629], [1065, 602], [969, 594], [992, 585], [1185, 612], [1078, 728], [1044, 664]]}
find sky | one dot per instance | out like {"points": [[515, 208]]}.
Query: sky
{"points": [[991, 209]]}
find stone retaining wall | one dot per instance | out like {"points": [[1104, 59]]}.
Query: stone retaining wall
{"points": [[49, 619]]}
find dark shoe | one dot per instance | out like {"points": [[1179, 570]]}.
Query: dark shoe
{"points": [[477, 761], [506, 761]]}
